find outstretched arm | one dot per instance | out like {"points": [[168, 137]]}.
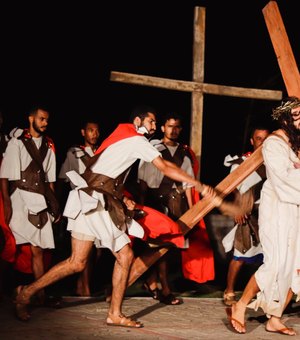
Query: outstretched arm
{"points": [[171, 170]]}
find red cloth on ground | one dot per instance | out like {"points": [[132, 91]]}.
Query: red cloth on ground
{"points": [[161, 227]]}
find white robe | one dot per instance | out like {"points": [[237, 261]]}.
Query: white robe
{"points": [[73, 162], [279, 228]]}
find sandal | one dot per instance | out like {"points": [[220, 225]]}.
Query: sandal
{"points": [[155, 293], [170, 299], [229, 298], [123, 321]]}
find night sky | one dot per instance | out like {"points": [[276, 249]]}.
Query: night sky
{"points": [[62, 56]]}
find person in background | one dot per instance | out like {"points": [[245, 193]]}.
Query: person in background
{"points": [[76, 159], [28, 173], [277, 279], [174, 198], [243, 238]]}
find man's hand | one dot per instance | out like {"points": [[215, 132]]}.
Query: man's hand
{"points": [[130, 204]]}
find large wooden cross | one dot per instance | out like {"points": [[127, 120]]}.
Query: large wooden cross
{"points": [[197, 87], [290, 74]]}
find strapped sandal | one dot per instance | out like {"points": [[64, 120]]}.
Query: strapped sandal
{"points": [[155, 293], [170, 299], [229, 299], [123, 321]]}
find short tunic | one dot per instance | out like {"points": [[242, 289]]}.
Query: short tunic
{"points": [[15, 160], [86, 214], [254, 254]]}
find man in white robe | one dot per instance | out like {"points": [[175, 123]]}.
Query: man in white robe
{"points": [[22, 189], [278, 278]]}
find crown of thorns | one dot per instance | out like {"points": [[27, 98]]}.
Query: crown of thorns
{"points": [[285, 107]]}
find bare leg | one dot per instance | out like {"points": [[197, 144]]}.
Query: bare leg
{"points": [[124, 259], [233, 270], [152, 278], [162, 272], [239, 308], [38, 269], [83, 282], [74, 264]]}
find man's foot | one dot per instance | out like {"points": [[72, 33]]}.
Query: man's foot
{"points": [[274, 325], [21, 312], [122, 321], [20, 296], [236, 317], [170, 299], [229, 298], [21, 304]]}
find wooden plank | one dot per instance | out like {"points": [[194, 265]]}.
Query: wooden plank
{"points": [[190, 218], [196, 121], [190, 86], [197, 87], [282, 48]]}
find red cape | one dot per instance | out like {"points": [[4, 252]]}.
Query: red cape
{"points": [[198, 259]]}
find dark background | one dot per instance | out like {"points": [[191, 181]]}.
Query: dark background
{"points": [[62, 54]]}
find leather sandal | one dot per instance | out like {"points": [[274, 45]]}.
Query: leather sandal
{"points": [[170, 299], [229, 298], [155, 293]]}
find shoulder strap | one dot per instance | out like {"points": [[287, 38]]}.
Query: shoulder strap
{"points": [[37, 155], [167, 183]]}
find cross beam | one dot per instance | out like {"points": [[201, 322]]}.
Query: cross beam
{"points": [[197, 87], [291, 78]]}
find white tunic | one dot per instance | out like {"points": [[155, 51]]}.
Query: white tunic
{"points": [[279, 228], [86, 214], [15, 160], [73, 162], [228, 240], [153, 177]]}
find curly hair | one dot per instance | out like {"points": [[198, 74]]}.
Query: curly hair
{"points": [[283, 115]]}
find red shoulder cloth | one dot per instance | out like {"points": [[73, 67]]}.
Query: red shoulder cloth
{"points": [[121, 132]]}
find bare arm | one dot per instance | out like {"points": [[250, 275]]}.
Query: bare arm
{"points": [[171, 170], [188, 194]]}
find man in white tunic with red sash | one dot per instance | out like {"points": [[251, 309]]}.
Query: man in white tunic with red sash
{"points": [[96, 210]]}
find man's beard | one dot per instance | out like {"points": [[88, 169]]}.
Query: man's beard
{"points": [[37, 129], [295, 131], [150, 135]]}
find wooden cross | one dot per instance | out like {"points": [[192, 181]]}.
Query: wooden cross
{"points": [[197, 87], [291, 78]]}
